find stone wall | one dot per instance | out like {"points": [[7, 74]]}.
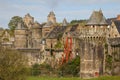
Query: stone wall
{"points": [[20, 39], [91, 58], [46, 30], [33, 55]]}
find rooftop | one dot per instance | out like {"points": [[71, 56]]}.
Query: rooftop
{"points": [[51, 14], [57, 32], [97, 18], [114, 41], [64, 22], [36, 25], [117, 24]]}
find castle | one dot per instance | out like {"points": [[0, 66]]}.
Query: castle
{"points": [[93, 42]]}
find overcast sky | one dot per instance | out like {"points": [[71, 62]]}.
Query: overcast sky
{"points": [[69, 9]]}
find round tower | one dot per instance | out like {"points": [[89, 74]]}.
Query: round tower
{"points": [[91, 44], [20, 36], [36, 34]]}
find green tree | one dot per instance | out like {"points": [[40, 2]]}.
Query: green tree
{"points": [[14, 21], [81, 22], [1, 28], [58, 45], [12, 65], [71, 68], [36, 69]]}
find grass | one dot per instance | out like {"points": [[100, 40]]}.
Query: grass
{"points": [[74, 78]]}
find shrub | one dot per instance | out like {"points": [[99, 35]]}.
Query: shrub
{"points": [[71, 68], [36, 69], [12, 65]]}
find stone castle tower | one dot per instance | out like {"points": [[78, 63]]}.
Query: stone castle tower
{"points": [[36, 34], [64, 23], [50, 24], [51, 17], [28, 35], [20, 36], [92, 39]]}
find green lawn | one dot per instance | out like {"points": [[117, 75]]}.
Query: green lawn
{"points": [[74, 78]]}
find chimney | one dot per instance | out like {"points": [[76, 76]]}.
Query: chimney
{"points": [[118, 17]]}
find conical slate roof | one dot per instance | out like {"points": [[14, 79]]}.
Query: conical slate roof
{"points": [[51, 14], [117, 24], [57, 32], [97, 18], [64, 22], [114, 41]]}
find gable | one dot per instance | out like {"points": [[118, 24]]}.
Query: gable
{"points": [[117, 24], [57, 32]]}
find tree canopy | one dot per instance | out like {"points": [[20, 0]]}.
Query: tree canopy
{"points": [[14, 22], [12, 65], [81, 22], [71, 68]]}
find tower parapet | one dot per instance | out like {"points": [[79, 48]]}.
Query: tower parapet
{"points": [[92, 39]]}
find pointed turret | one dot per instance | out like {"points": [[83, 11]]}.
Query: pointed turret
{"points": [[97, 18], [64, 22], [51, 17], [51, 14], [28, 20]]}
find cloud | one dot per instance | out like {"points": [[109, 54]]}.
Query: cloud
{"points": [[90, 2], [56, 3], [71, 9]]}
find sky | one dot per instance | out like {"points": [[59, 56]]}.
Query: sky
{"points": [[69, 9]]}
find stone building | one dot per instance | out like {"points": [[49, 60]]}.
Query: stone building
{"points": [[87, 41], [51, 17], [20, 36], [64, 23], [27, 38], [51, 23], [28, 33], [114, 27], [28, 20], [6, 38], [114, 53], [114, 44], [90, 40]]}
